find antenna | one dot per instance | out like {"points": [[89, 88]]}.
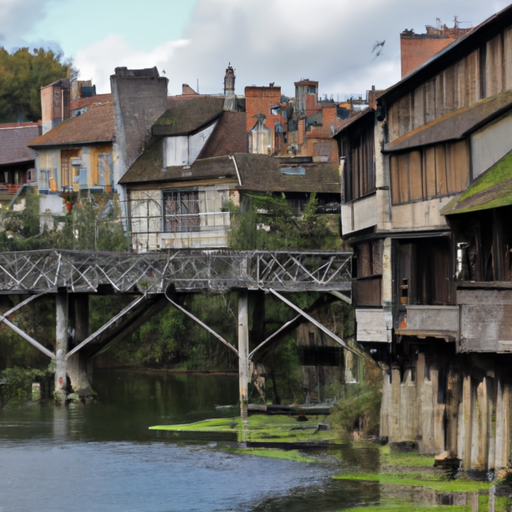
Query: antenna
{"points": [[197, 85]]}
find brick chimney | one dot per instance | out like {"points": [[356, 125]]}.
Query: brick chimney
{"points": [[55, 104]]}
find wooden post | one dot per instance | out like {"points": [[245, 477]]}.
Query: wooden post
{"points": [[61, 347], [243, 352], [468, 406]]}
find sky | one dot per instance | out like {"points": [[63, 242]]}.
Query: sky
{"points": [[193, 41]]}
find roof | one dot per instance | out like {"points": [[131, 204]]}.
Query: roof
{"points": [[262, 173], [13, 142], [490, 190], [95, 125], [455, 125], [351, 121], [259, 173], [189, 116], [469, 42], [228, 137]]}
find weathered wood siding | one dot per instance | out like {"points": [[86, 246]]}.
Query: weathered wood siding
{"points": [[481, 74]]}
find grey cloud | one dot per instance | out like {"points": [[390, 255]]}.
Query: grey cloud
{"points": [[267, 42]]}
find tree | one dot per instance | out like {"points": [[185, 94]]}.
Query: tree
{"points": [[22, 74]]}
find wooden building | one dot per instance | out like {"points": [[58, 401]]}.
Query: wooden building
{"points": [[426, 202]]}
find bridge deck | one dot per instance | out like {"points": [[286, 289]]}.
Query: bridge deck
{"points": [[189, 270]]}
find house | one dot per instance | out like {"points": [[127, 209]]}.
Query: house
{"points": [[426, 203], [76, 155], [300, 126], [17, 161], [197, 161]]}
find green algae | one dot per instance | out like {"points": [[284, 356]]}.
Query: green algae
{"points": [[261, 428], [419, 479], [273, 453], [410, 508]]}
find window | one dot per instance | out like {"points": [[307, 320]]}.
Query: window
{"points": [[181, 211]]}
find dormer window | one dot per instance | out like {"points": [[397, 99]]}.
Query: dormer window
{"points": [[184, 149]]}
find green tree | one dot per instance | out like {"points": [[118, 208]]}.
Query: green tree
{"points": [[22, 74]]}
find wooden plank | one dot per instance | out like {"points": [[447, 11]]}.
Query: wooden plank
{"points": [[461, 98], [415, 176], [393, 122], [403, 173], [418, 107], [405, 114], [459, 151], [441, 181], [473, 77], [448, 100], [395, 180], [430, 173], [430, 100], [507, 59], [494, 66]]}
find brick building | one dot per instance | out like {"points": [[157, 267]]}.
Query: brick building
{"points": [[416, 49]]}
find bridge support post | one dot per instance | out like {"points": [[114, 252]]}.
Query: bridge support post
{"points": [[61, 347], [243, 351], [77, 364]]}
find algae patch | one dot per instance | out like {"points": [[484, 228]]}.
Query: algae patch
{"points": [[262, 429]]}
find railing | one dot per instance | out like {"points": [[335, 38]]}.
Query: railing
{"points": [[218, 270]]}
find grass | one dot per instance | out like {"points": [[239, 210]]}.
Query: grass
{"points": [[261, 428]]}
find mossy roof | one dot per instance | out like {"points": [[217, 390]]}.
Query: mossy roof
{"points": [[492, 189], [189, 116], [259, 173]]}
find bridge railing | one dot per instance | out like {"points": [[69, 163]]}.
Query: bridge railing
{"points": [[188, 270]]}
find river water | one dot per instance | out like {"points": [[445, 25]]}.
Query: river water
{"points": [[102, 457]]}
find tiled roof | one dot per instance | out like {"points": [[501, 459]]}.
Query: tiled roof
{"points": [[264, 173], [13, 142], [95, 125], [228, 137], [260, 173], [189, 116]]}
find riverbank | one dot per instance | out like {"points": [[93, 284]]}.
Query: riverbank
{"points": [[409, 482]]}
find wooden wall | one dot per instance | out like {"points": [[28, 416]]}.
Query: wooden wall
{"points": [[481, 74]]}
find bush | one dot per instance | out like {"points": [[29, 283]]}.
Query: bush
{"points": [[16, 383], [358, 410]]}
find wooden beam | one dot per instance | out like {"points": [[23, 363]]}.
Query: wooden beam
{"points": [[356, 350], [106, 326]]}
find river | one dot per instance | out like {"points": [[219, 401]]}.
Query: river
{"points": [[102, 457]]}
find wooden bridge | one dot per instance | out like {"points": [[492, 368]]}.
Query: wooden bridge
{"points": [[157, 279]]}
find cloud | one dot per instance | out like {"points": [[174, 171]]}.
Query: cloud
{"points": [[281, 41], [18, 18], [99, 60]]}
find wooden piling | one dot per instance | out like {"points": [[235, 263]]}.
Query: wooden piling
{"points": [[61, 347]]}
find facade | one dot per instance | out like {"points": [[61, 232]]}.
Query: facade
{"points": [[426, 197], [77, 154], [178, 188]]}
